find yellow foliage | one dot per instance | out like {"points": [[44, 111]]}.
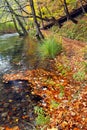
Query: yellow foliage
{"points": [[47, 7]]}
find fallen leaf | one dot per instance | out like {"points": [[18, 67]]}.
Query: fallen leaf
{"points": [[7, 128], [52, 128], [76, 129], [14, 128]]}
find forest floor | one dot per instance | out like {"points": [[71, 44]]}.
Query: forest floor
{"points": [[63, 88]]}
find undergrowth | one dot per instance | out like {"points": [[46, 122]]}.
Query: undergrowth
{"points": [[73, 31], [80, 74], [7, 28]]}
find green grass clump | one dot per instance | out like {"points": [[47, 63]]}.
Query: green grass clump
{"points": [[50, 48]]}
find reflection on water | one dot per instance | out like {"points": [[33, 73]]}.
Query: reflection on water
{"points": [[10, 52], [19, 54], [8, 35], [4, 64]]}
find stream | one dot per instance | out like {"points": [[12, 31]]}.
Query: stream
{"points": [[18, 54]]}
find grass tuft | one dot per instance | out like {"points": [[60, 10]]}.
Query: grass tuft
{"points": [[49, 48]]}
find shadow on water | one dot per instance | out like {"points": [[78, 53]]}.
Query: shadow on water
{"points": [[16, 101]]}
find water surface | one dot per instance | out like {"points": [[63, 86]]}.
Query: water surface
{"points": [[16, 102]]}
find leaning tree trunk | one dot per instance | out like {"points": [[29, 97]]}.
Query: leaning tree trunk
{"points": [[25, 33], [15, 24], [39, 34], [22, 26], [21, 10]]}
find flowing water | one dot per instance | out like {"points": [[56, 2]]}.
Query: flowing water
{"points": [[16, 101], [17, 53]]}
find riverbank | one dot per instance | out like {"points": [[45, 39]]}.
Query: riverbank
{"points": [[7, 28]]}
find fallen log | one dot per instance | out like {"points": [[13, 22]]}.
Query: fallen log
{"points": [[75, 13]]}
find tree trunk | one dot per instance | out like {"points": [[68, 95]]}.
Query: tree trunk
{"points": [[66, 10], [15, 24], [39, 34], [17, 18], [21, 10], [67, 13], [40, 13], [82, 6]]}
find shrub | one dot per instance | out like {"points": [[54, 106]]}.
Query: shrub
{"points": [[49, 48]]}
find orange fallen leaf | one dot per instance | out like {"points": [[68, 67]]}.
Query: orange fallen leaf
{"points": [[24, 117], [64, 124], [14, 128], [7, 128], [76, 129]]}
